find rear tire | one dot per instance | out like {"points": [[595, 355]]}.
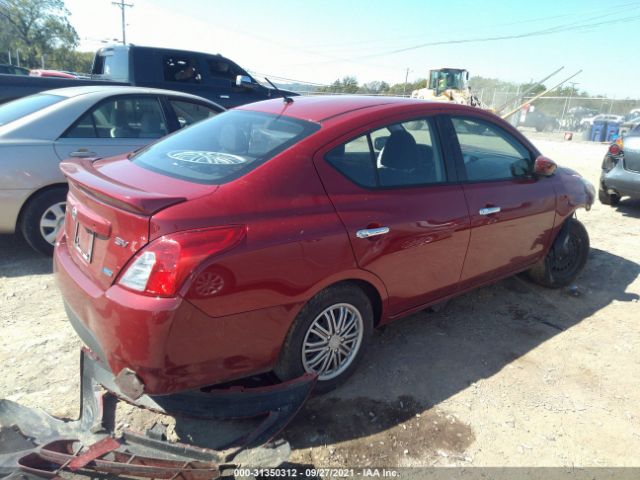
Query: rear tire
{"points": [[563, 263], [314, 334], [607, 199], [42, 218]]}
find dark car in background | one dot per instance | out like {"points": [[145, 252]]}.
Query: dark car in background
{"points": [[540, 121], [12, 70], [621, 169]]}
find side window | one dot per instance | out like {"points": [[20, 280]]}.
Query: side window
{"points": [[355, 161], [490, 153], [133, 117], [219, 68], [189, 113], [179, 68], [397, 155]]}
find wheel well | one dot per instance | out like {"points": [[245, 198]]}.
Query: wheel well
{"points": [[372, 293], [53, 186]]}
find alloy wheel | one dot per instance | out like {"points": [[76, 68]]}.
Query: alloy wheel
{"points": [[332, 341]]}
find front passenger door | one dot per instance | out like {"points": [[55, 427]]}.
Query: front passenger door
{"points": [[512, 212]]}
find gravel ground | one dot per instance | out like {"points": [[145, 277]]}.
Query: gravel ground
{"points": [[508, 375]]}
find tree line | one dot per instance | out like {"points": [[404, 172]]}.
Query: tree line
{"points": [[37, 33]]}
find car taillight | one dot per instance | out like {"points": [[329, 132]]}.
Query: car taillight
{"points": [[163, 265]]}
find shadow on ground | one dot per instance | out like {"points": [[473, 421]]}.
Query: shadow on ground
{"points": [[416, 363], [19, 259], [629, 207]]}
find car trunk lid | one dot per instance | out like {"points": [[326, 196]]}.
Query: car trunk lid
{"points": [[109, 207]]}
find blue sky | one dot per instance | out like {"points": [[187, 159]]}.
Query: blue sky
{"points": [[319, 41]]}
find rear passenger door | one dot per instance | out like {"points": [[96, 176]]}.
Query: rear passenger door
{"points": [[114, 126], [406, 217]]}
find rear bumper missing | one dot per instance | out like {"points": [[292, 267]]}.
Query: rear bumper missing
{"points": [[278, 403]]}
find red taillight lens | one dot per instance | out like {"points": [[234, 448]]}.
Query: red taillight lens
{"points": [[614, 149], [166, 263]]}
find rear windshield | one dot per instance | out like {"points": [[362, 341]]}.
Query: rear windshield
{"points": [[12, 111], [224, 147]]}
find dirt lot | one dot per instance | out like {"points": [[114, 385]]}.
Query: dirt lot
{"points": [[509, 375]]}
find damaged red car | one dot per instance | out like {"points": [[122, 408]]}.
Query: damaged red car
{"points": [[277, 236]]}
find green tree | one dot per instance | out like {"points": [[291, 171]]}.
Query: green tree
{"points": [[406, 89], [374, 88], [345, 85], [69, 60], [36, 28]]}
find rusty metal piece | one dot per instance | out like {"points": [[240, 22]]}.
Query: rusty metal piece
{"points": [[103, 458], [97, 450]]}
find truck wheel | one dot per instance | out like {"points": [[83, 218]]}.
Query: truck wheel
{"points": [[329, 337], [42, 218], [566, 258]]}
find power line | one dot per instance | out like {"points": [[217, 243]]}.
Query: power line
{"points": [[535, 33], [256, 74], [610, 8]]}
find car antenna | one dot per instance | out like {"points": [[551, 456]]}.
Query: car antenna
{"points": [[284, 97]]}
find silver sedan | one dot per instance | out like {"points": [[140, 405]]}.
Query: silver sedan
{"points": [[39, 131], [620, 175]]}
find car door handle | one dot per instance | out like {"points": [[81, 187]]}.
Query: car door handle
{"points": [[489, 210], [83, 154], [372, 232]]}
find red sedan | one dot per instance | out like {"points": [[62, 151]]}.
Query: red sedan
{"points": [[276, 236]]}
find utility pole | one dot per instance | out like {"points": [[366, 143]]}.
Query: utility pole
{"points": [[122, 7], [406, 78], [567, 104]]}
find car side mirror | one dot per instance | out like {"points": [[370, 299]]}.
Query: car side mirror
{"points": [[244, 81], [544, 166]]}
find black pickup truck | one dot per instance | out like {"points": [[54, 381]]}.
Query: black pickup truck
{"points": [[210, 76]]}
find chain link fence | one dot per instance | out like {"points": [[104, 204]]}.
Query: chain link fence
{"points": [[554, 113]]}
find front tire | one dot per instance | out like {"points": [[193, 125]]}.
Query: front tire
{"points": [[329, 337], [42, 218], [566, 258]]}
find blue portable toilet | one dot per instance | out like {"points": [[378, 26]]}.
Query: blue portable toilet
{"points": [[598, 131], [613, 128]]}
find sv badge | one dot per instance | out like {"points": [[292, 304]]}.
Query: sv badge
{"points": [[120, 242]]}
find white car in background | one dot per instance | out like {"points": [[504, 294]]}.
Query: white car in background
{"points": [[604, 117], [38, 131]]}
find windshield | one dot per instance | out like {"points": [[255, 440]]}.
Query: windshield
{"points": [[12, 111], [446, 79], [224, 147]]}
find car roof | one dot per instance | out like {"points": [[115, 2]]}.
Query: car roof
{"points": [[321, 108], [107, 90]]}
